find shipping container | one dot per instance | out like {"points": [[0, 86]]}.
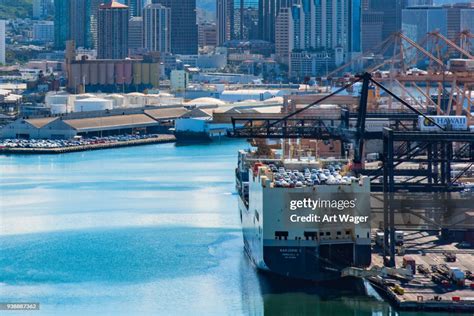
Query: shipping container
{"points": [[460, 65], [456, 123]]}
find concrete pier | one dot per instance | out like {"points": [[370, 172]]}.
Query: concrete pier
{"points": [[162, 138], [425, 291]]}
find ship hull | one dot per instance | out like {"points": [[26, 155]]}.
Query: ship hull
{"points": [[295, 260], [302, 243], [192, 137]]}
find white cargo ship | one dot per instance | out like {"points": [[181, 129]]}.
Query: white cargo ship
{"points": [[303, 219]]}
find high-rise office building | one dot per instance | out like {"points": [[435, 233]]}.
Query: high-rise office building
{"points": [[355, 26], [267, 13], [80, 23], [324, 26], [460, 17], [449, 20], [324, 32], [245, 20], [43, 31], [184, 32], [412, 3], [392, 15], [157, 28], [283, 35], [42, 8], [418, 21], [207, 35], [2, 41], [379, 20], [135, 7], [61, 23], [224, 20], [94, 11], [371, 29], [76, 20], [135, 33], [112, 31]]}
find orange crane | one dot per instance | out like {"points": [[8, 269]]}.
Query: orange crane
{"points": [[454, 87], [465, 38]]}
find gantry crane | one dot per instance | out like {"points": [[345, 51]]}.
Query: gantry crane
{"points": [[454, 89], [436, 151]]}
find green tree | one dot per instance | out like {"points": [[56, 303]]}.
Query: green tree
{"points": [[11, 9]]}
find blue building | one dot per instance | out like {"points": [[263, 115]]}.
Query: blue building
{"points": [[418, 21]]}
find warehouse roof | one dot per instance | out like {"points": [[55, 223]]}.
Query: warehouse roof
{"points": [[199, 112], [40, 122], [111, 122], [166, 113]]}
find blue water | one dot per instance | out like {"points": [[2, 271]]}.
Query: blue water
{"points": [[141, 230]]}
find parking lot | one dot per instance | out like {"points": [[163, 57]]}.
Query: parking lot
{"points": [[62, 143]]}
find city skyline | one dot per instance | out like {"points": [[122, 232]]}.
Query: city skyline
{"points": [[314, 35]]}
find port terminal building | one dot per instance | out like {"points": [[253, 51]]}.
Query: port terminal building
{"points": [[96, 123]]}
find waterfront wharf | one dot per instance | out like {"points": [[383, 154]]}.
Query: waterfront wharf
{"points": [[431, 288], [161, 138]]}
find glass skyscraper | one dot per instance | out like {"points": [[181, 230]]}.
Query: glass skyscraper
{"points": [[76, 20], [135, 7], [267, 13], [61, 23], [355, 26], [246, 20], [184, 31]]}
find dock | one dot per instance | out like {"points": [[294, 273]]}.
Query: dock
{"points": [[427, 291], [162, 138]]}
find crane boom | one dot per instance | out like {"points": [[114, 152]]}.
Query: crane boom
{"points": [[452, 44], [421, 49]]}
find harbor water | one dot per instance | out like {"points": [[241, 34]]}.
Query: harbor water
{"points": [[151, 230]]}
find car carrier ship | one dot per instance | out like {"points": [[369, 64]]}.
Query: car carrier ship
{"points": [[309, 243]]}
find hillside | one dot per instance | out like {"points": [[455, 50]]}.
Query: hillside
{"points": [[10, 9]]}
